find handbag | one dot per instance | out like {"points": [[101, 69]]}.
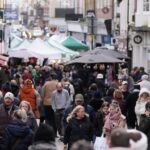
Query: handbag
{"points": [[100, 143]]}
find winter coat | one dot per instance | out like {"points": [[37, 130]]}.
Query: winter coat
{"points": [[144, 126], [28, 94], [43, 146], [130, 105], [78, 130], [31, 122], [47, 91], [139, 109], [5, 119], [99, 123], [17, 135], [32, 96], [88, 109]]}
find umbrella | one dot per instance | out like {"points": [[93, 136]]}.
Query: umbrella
{"points": [[93, 58], [109, 52], [74, 44]]}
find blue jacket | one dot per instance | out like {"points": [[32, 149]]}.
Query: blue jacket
{"points": [[17, 132]]}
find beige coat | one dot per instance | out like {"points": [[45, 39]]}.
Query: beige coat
{"points": [[47, 91]]}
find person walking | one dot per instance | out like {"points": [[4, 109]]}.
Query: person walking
{"points": [[144, 97], [18, 136], [29, 94], [6, 110], [46, 95], [60, 101], [79, 127], [31, 120], [44, 138]]}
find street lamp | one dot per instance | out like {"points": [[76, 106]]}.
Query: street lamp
{"points": [[129, 52], [91, 26]]}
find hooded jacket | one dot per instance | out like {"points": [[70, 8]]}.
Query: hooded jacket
{"points": [[17, 130]]}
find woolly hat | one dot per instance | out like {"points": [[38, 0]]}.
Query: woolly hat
{"points": [[144, 90], [79, 97], [9, 95]]}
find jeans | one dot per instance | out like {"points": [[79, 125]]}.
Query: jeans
{"points": [[59, 121]]}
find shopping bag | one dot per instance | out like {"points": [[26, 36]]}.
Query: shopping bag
{"points": [[100, 143]]}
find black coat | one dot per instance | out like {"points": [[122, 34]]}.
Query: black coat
{"points": [[17, 131], [144, 126], [99, 123], [130, 106], [78, 130]]}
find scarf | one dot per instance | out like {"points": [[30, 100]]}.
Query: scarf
{"points": [[111, 119]]}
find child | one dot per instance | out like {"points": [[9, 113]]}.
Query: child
{"points": [[114, 119]]}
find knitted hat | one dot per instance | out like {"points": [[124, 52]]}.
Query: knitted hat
{"points": [[79, 97], [9, 95]]}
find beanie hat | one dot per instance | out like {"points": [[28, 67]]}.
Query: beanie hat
{"points": [[79, 97], [9, 95]]}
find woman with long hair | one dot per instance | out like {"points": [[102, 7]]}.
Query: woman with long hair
{"points": [[79, 127], [31, 120], [114, 119]]}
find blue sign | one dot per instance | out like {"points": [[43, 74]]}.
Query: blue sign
{"points": [[105, 39], [11, 14]]}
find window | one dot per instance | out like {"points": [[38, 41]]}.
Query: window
{"points": [[146, 5]]}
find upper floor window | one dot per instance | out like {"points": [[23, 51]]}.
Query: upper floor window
{"points": [[146, 5]]}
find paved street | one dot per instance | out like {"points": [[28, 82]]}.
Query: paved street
{"points": [[59, 144]]}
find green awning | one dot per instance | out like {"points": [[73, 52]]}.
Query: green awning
{"points": [[74, 44]]}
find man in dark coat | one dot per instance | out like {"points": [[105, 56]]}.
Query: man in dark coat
{"points": [[130, 106], [6, 110]]}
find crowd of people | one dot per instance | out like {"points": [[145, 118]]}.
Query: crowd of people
{"points": [[77, 105]]}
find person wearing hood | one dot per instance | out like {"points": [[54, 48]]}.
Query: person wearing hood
{"points": [[28, 93], [144, 83], [44, 138], [130, 106], [144, 97], [6, 110], [18, 136]]}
